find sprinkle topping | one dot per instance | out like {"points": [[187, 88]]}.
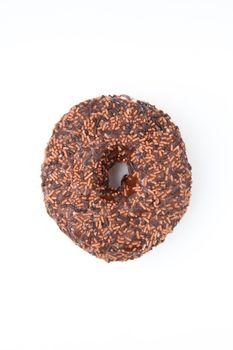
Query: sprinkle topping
{"points": [[123, 223]]}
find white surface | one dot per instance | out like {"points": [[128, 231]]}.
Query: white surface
{"points": [[175, 54]]}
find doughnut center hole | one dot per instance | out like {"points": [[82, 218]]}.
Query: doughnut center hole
{"points": [[116, 174]]}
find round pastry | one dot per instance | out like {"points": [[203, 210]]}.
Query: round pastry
{"points": [[125, 222]]}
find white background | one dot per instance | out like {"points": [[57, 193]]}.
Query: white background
{"points": [[175, 54]]}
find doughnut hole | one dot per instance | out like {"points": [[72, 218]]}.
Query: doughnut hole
{"points": [[116, 173]]}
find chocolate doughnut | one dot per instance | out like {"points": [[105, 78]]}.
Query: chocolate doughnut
{"points": [[125, 222]]}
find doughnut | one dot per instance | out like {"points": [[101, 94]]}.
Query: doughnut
{"points": [[116, 224]]}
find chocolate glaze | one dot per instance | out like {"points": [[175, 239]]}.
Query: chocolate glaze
{"points": [[122, 223]]}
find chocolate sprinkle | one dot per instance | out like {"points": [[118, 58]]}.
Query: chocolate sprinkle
{"points": [[122, 223]]}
